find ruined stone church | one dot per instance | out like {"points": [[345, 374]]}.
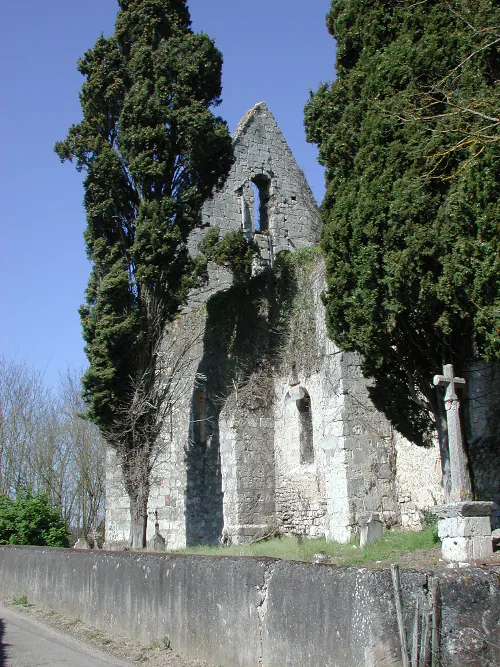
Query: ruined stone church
{"points": [[270, 426]]}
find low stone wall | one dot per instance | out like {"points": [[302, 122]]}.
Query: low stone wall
{"points": [[253, 612]]}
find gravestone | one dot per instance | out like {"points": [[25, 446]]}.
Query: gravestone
{"points": [[82, 544], [460, 479], [464, 527], [495, 537], [370, 529], [157, 542]]}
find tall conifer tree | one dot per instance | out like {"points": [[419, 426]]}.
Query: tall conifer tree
{"points": [[153, 152], [409, 135]]}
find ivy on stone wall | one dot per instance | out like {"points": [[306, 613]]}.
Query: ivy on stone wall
{"points": [[233, 251]]}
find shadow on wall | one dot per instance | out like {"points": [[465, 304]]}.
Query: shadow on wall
{"points": [[484, 463], [3, 655], [482, 432], [245, 328]]}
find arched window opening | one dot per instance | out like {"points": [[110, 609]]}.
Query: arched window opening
{"points": [[261, 193], [199, 417], [305, 429]]}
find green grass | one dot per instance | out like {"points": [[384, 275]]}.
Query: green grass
{"points": [[291, 548], [22, 602]]}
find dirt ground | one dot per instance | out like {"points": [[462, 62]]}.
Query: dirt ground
{"points": [[427, 559]]}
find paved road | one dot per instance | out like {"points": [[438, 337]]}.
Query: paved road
{"points": [[25, 643]]}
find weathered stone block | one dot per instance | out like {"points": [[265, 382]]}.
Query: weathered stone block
{"points": [[462, 549], [464, 508], [465, 527]]}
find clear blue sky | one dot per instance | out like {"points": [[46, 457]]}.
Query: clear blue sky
{"points": [[274, 51]]}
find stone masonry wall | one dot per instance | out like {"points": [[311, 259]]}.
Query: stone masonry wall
{"points": [[260, 150], [300, 485], [249, 612], [247, 456], [353, 472], [248, 476], [369, 451], [175, 479], [418, 480]]}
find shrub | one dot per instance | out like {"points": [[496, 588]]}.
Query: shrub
{"points": [[31, 520]]}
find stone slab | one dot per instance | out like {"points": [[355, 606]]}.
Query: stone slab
{"points": [[464, 508], [157, 543], [462, 526]]}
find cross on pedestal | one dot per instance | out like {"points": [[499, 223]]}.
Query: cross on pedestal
{"points": [[460, 480]]}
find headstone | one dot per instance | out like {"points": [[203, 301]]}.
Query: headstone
{"points": [[157, 542], [82, 544], [460, 479], [370, 529]]}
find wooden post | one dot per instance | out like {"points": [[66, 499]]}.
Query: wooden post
{"points": [[425, 644], [398, 598], [436, 620], [414, 646]]}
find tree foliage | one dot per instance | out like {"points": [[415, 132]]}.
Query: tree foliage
{"points": [[153, 152], [30, 519], [411, 215]]}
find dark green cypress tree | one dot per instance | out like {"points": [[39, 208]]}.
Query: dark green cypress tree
{"points": [[153, 152], [409, 135]]}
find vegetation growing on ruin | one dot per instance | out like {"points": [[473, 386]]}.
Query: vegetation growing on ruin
{"points": [[233, 251], [153, 152], [409, 137], [261, 322], [300, 315], [394, 543]]}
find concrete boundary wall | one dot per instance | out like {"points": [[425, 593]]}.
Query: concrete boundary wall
{"points": [[254, 612]]}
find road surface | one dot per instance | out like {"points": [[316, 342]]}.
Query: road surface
{"points": [[26, 643]]}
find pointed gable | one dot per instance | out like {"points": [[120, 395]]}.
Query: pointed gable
{"points": [[265, 170]]}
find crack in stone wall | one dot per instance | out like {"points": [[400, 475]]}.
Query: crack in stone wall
{"points": [[262, 603]]}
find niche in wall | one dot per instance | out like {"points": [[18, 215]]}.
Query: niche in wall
{"points": [[305, 428]]}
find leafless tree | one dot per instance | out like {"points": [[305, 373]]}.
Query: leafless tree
{"points": [[47, 445], [142, 431], [88, 460]]}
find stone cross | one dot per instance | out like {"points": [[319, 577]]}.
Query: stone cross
{"points": [[460, 480]]}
